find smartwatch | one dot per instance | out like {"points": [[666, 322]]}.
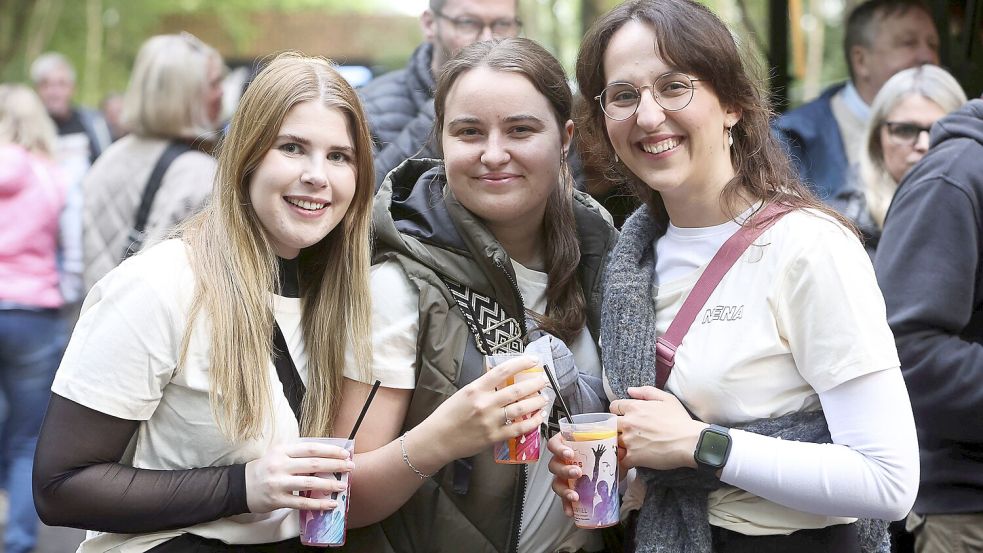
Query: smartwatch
{"points": [[712, 449]]}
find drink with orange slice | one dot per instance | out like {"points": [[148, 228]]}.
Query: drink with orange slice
{"points": [[594, 440]]}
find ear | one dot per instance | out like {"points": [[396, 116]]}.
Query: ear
{"points": [[428, 25], [732, 115], [858, 62], [567, 136]]}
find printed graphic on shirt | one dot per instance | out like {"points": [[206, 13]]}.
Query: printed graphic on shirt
{"points": [[723, 313]]}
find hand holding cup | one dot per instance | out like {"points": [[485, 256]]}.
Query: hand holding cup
{"points": [[272, 479]]}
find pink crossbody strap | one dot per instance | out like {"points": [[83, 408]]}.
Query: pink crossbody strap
{"points": [[723, 260]]}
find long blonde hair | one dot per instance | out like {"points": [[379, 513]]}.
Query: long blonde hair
{"points": [[929, 81], [24, 121], [236, 268]]}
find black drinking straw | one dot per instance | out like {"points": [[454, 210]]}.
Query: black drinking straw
{"points": [[365, 408], [556, 389]]}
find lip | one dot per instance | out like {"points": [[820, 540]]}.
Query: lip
{"points": [[655, 139], [498, 178], [303, 212]]}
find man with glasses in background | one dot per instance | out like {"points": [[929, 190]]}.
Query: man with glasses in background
{"points": [[399, 104], [823, 136]]}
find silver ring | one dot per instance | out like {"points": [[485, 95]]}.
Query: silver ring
{"points": [[508, 421]]}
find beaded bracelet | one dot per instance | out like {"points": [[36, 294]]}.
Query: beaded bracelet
{"points": [[406, 459]]}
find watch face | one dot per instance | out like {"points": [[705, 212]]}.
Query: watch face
{"points": [[713, 449]]}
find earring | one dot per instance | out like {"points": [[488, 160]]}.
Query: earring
{"points": [[730, 136], [616, 160]]}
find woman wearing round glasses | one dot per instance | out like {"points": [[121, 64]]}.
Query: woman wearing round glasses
{"points": [[790, 358], [896, 139]]}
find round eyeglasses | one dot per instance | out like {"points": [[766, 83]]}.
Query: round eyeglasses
{"points": [[673, 91], [905, 134]]}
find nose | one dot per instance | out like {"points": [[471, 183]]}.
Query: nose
{"points": [[486, 34], [314, 174], [649, 114], [921, 143], [927, 54], [495, 153]]}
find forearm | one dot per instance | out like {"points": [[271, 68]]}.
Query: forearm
{"points": [[372, 502], [871, 469], [79, 481]]}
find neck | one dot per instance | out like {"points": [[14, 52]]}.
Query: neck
{"points": [[690, 207], [523, 243]]}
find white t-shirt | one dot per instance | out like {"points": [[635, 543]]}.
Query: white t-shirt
{"points": [[543, 512], [122, 361], [798, 314]]}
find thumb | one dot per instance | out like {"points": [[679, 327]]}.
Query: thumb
{"points": [[647, 393]]}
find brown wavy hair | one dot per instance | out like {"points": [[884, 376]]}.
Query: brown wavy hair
{"points": [[565, 304], [690, 38]]}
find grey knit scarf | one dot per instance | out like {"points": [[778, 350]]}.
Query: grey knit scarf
{"points": [[673, 518]]}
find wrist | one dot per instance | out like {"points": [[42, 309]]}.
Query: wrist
{"points": [[425, 450], [689, 444]]}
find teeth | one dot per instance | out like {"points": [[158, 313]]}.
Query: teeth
{"points": [[662, 146], [304, 204]]}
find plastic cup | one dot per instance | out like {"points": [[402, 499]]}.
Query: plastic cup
{"points": [[525, 448], [594, 440], [327, 528]]}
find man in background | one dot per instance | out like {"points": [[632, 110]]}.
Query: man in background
{"points": [[399, 104], [824, 135]]}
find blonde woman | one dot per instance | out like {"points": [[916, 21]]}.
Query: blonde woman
{"points": [[174, 352], [172, 106], [896, 138], [32, 333]]}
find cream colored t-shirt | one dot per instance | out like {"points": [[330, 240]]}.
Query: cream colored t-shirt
{"points": [[122, 361], [799, 313], [543, 513]]}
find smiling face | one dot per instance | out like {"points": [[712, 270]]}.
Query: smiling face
{"points": [[901, 154], [503, 147], [676, 153], [303, 186]]}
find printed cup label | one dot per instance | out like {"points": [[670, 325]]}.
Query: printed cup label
{"points": [[596, 452]]}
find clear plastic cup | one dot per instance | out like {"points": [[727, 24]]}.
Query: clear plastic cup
{"points": [[594, 440], [525, 448], [327, 528]]}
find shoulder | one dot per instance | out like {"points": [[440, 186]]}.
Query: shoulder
{"points": [[162, 272], [384, 87], [810, 112], [194, 164], [809, 236]]}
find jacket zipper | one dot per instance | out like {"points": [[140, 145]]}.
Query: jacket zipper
{"points": [[513, 543]]}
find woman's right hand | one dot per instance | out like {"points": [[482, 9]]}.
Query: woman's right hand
{"points": [[563, 473], [272, 479], [474, 418]]}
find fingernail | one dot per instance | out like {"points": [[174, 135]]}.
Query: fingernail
{"points": [[350, 464], [572, 472], [544, 414]]}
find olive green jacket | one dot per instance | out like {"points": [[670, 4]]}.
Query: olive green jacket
{"points": [[471, 505]]}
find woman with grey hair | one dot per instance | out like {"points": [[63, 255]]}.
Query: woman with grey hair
{"points": [[161, 173], [896, 138]]}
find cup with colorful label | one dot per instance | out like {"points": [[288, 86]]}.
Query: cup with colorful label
{"points": [[594, 440], [327, 528], [525, 448]]}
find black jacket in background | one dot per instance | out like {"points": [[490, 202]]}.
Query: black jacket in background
{"points": [[399, 110], [929, 265]]}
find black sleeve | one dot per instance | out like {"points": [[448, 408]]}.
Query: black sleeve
{"points": [[80, 482], [927, 265]]}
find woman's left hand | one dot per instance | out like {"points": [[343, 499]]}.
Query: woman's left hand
{"points": [[655, 430]]}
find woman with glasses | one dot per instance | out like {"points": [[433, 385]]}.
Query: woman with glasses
{"points": [[782, 416], [197, 364], [896, 138], [483, 250]]}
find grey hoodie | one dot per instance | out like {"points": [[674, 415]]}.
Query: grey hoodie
{"points": [[929, 265]]}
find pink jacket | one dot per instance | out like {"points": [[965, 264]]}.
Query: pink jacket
{"points": [[32, 194]]}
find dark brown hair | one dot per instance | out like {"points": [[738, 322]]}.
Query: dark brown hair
{"points": [[690, 38], [565, 305]]}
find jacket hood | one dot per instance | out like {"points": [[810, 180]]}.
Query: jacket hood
{"points": [[965, 122]]}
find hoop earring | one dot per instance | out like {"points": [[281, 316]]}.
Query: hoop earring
{"points": [[730, 136]]}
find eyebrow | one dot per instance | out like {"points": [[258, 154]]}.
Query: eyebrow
{"points": [[471, 120]]}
